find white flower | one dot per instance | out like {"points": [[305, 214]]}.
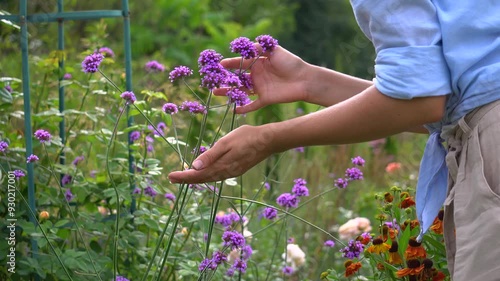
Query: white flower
{"points": [[294, 255]]}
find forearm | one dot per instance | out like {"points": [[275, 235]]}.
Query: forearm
{"points": [[327, 87], [366, 116]]}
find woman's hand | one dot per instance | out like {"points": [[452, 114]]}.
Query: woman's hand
{"points": [[278, 77], [231, 156]]}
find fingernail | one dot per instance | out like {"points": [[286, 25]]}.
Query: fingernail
{"points": [[197, 164]]}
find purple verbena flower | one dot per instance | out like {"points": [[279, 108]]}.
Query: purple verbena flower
{"points": [[238, 97], [213, 76], [128, 96], [232, 80], [91, 63], [205, 264], [32, 158], [209, 57], [267, 185], [8, 88], [290, 240], [246, 79], [68, 195], [300, 190], [93, 173], [107, 52], [354, 173], [240, 265], [244, 47], [135, 135], [267, 42], [352, 250], [170, 108], [170, 196], [66, 179], [18, 174], [230, 272], [341, 182], [299, 149], [121, 278], [224, 220], [358, 161], [154, 66], [179, 72], [193, 107], [287, 200], [150, 191], [3, 146], [67, 76], [136, 191], [219, 257], [270, 213], [288, 270], [78, 159], [233, 239], [329, 243], [246, 252], [161, 126], [42, 136]]}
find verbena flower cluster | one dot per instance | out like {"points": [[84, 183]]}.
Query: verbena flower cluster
{"points": [[42, 135], [351, 174], [3, 146], [154, 66], [91, 63], [179, 72]]}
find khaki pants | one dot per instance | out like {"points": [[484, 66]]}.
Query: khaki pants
{"points": [[472, 209]]}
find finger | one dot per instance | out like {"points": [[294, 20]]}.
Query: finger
{"points": [[200, 164], [238, 62], [220, 91], [254, 105]]}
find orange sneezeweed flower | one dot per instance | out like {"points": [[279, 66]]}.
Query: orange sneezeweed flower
{"points": [[414, 268], [415, 250], [351, 267], [389, 232], [437, 275], [411, 223], [378, 246], [437, 226], [388, 197], [364, 238], [407, 202], [394, 256], [427, 272]]}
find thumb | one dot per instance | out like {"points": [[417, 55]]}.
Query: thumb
{"points": [[254, 105], [207, 158]]}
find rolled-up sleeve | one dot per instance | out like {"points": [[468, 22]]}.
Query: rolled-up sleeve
{"points": [[407, 38]]}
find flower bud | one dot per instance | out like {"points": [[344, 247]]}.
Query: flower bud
{"points": [[44, 215]]}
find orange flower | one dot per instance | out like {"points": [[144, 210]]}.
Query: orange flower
{"points": [[388, 197], [394, 256], [427, 272], [437, 226], [351, 267], [378, 246], [411, 223], [415, 250], [414, 268], [393, 167], [437, 275], [407, 202], [364, 238], [389, 232]]}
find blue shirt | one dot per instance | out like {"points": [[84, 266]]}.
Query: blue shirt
{"points": [[432, 48]]}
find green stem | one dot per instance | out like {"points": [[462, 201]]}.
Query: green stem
{"points": [[117, 221]]}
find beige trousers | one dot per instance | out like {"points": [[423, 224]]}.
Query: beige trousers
{"points": [[472, 208]]}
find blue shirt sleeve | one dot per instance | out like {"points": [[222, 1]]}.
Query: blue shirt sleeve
{"points": [[407, 39]]}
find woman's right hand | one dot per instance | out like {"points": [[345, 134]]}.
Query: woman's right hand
{"points": [[278, 77]]}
